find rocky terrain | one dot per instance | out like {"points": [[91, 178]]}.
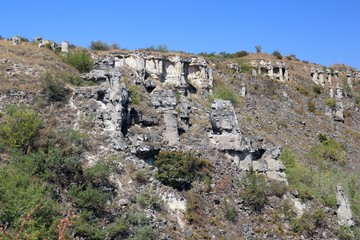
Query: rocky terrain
{"points": [[252, 147]]}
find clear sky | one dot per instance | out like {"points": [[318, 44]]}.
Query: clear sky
{"points": [[320, 31]]}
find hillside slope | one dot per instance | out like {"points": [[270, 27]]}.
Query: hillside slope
{"points": [[151, 145]]}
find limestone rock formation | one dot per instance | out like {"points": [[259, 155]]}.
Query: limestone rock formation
{"points": [[278, 71], [344, 213]]}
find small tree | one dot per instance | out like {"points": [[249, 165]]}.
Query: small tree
{"points": [[99, 45], [277, 54], [258, 48], [79, 59]]}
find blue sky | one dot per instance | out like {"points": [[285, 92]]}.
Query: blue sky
{"points": [[321, 31]]}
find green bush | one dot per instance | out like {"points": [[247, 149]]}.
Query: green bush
{"points": [[241, 54], [135, 94], [88, 197], [99, 46], [79, 59], [317, 89], [20, 195], [308, 222], [225, 92], [230, 212], [258, 48], [277, 54], [19, 127], [145, 233], [254, 190], [98, 173], [140, 176], [177, 169], [357, 101], [328, 152], [330, 102], [54, 87]]}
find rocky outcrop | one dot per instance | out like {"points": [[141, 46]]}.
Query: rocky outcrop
{"points": [[278, 70], [344, 213], [174, 70], [245, 153]]}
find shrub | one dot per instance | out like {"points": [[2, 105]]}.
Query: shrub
{"points": [[98, 173], [88, 197], [230, 212], [140, 176], [26, 208], [311, 106], [79, 59], [160, 48], [145, 233], [119, 228], [330, 102], [258, 48], [357, 101], [254, 190], [58, 167], [308, 222], [177, 169], [328, 152], [225, 92], [241, 54], [135, 94], [277, 54], [99, 45], [317, 89], [20, 127], [54, 87]]}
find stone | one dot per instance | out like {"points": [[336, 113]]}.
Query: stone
{"points": [[16, 40], [223, 117], [65, 47], [344, 214], [123, 202]]}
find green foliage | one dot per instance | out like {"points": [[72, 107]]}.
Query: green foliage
{"points": [[328, 152], [86, 226], [145, 233], [140, 176], [79, 59], [146, 200], [317, 89], [19, 127], [241, 54], [98, 173], [230, 212], [54, 87], [135, 94], [357, 101], [330, 102], [138, 218], [308, 222], [254, 190], [21, 194], [99, 46], [88, 197], [177, 169], [225, 92], [160, 48], [277, 54], [258, 48]]}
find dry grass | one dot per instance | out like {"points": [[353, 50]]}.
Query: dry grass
{"points": [[23, 66]]}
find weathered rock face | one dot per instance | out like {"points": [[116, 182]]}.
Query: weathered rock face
{"points": [[245, 153], [173, 70], [111, 100], [344, 213], [278, 71]]}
